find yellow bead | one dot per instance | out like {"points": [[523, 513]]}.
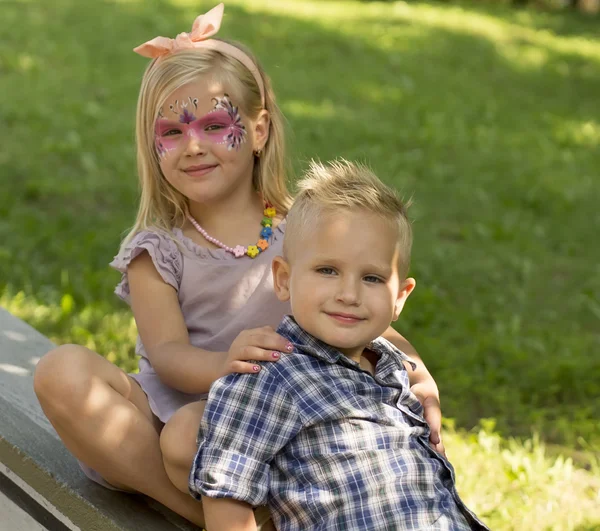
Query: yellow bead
{"points": [[270, 212], [252, 251]]}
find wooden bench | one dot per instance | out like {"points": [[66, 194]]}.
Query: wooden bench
{"points": [[38, 476]]}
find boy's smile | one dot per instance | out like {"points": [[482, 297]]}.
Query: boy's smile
{"points": [[343, 291]]}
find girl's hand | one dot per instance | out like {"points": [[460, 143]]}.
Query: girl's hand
{"points": [[429, 398], [256, 344]]}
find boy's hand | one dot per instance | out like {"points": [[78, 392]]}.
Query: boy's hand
{"points": [[432, 412], [256, 344]]}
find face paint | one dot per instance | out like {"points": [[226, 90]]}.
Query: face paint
{"points": [[161, 150], [179, 106], [237, 132], [187, 117], [222, 125]]}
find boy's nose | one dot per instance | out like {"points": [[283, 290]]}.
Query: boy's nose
{"points": [[348, 293]]}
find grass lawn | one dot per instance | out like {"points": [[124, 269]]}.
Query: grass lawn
{"points": [[487, 116]]}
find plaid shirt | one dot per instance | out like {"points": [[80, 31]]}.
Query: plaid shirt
{"points": [[327, 445]]}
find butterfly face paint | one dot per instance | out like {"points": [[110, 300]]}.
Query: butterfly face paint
{"points": [[222, 125]]}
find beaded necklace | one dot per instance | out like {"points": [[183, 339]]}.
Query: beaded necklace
{"points": [[239, 250]]}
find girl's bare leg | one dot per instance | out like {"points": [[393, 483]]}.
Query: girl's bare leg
{"points": [[178, 443], [104, 420]]}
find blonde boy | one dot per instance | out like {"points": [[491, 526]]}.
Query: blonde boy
{"points": [[331, 436]]}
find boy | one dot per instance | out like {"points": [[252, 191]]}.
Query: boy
{"points": [[330, 437]]}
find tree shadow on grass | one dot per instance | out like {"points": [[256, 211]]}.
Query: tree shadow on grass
{"points": [[492, 139]]}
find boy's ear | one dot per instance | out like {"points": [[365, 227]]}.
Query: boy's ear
{"points": [[405, 290], [281, 278], [261, 130]]}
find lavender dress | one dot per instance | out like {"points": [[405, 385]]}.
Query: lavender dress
{"points": [[219, 295]]}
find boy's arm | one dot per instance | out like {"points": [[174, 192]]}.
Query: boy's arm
{"points": [[225, 514], [248, 419], [423, 387]]}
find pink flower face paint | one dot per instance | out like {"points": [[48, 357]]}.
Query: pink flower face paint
{"points": [[222, 125]]}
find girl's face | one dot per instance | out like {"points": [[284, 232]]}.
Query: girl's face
{"points": [[205, 144]]}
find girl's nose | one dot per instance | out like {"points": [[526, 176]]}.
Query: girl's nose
{"points": [[195, 146]]}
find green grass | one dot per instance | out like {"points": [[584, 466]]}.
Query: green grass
{"points": [[516, 485], [488, 116]]}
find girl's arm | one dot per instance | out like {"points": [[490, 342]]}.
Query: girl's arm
{"points": [[424, 387], [420, 374], [226, 514], [166, 340]]}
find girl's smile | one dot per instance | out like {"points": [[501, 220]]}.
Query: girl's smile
{"points": [[200, 169]]}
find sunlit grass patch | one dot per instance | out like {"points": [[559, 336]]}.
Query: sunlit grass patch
{"points": [[516, 485], [95, 326]]}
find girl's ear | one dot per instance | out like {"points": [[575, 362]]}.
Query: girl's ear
{"points": [[261, 130], [281, 278], [405, 290]]}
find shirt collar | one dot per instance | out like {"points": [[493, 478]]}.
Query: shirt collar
{"points": [[308, 344]]}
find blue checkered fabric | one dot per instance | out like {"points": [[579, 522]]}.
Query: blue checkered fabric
{"points": [[327, 445]]}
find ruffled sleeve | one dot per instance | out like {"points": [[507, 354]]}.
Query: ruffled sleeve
{"points": [[163, 251]]}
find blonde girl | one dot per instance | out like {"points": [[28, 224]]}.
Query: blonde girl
{"points": [[196, 271]]}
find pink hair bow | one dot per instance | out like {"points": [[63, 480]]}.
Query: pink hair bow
{"points": [[205, 26]]}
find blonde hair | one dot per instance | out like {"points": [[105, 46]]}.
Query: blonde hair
{"points": [[351, 186], [161, 205]]}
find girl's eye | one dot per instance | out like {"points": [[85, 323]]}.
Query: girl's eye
{"points": [[326, 271], [372, 279], [214, 127], [172, 132]]}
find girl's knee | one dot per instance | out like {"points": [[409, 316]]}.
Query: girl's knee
{"points": [[178, 437], [61, 373]]}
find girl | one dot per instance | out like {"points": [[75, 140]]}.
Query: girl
{"points": [[210, 152]]}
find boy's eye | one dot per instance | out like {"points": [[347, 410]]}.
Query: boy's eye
{"points": [[326, 271], [373, 279]]}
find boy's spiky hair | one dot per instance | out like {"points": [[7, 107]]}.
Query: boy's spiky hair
{"points": [[344, 185]]}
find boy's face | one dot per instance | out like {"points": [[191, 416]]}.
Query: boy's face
{"points": [[342, 279]]}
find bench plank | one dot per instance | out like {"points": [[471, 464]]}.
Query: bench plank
{"points": [[34, 458]]}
